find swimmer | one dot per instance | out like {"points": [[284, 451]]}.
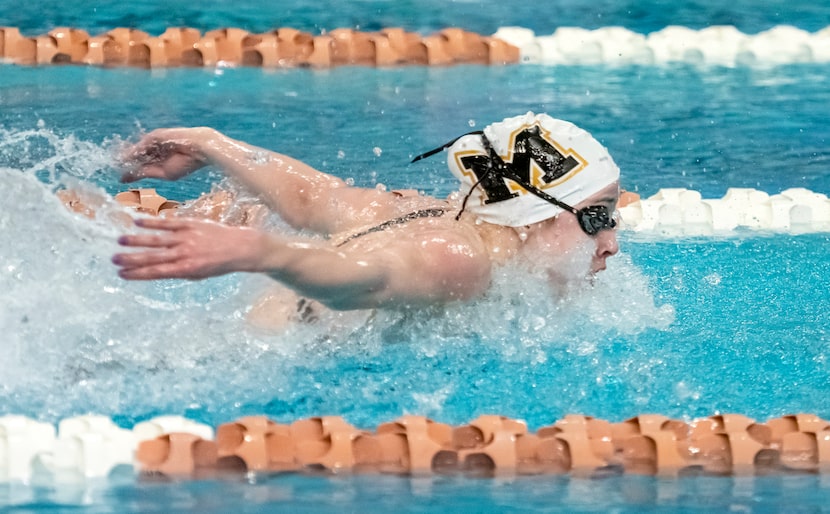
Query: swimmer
{"points": [[532, 187]]}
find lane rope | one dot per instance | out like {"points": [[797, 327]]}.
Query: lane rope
{"points": [[724, 444], [722, 45]]}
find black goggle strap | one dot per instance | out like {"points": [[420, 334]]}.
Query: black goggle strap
{"points": [[470, 192], [443, 147], [591, 219]]}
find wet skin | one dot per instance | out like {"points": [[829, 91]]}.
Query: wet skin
{"points": [[421, 262], [557, 238]]}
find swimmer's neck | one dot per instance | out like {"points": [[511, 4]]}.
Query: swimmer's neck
{"points": [[502, 243]]}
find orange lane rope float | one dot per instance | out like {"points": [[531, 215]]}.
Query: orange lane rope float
{"points": [[144, 200], [280, 48], [726, 444], [490, 445], [493, 445]]}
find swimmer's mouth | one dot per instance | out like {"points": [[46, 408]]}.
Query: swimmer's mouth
{"points": [[591, 278], [592, 275], [597, 265]]}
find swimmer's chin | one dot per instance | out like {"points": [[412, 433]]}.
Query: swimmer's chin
{"points": [[563, 282]]}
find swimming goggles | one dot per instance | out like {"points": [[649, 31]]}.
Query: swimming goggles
{"points": [[592, 219]]}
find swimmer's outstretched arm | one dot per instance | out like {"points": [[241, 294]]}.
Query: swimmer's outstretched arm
{"points": [[401, 274], [303, 196]]}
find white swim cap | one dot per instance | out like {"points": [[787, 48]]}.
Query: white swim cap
{"points": [[550, 155]]}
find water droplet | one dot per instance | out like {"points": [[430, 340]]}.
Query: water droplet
{"points": [[260, 157], [713, 279]]}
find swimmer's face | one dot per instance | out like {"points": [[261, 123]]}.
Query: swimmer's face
{"points": [[565, 250]]}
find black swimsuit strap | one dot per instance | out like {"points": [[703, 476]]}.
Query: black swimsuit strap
{"points": [[423, 213]]}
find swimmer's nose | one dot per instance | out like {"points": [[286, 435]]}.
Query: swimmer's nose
{"points": [[607, 246]]}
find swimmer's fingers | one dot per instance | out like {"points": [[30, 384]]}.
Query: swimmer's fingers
{"points": [[173, 231], [156, 271], [176, 262], [138, 172], [165, 154], [153, 146], [129, 261], [169, 236], [163, 245], [187, 249], [141, 159], [148, 240], [169, 224], [165, 257], [171, 166]]}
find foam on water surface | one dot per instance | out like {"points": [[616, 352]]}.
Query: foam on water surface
{"points": [[134, 348]]}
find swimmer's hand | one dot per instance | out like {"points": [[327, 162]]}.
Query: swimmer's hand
{"points": [[168, 154], [187, 249]]}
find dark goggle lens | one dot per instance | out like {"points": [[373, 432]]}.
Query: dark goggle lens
{"points": [[595, 218]]}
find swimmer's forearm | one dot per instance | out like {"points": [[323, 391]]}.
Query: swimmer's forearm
{"points": [[317, 271], [187, 248], [288, 185]]}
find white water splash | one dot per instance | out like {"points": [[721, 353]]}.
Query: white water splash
{"points": [[79, 339], [44, 153]]}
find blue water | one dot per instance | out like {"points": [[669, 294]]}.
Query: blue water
{"points": [[790, 494], [680, 126], [681, 327], [483, 16]]}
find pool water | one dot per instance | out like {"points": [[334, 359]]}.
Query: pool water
{"points": [[684, 327], [482, 16], [706, 129], [797, 494]]}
